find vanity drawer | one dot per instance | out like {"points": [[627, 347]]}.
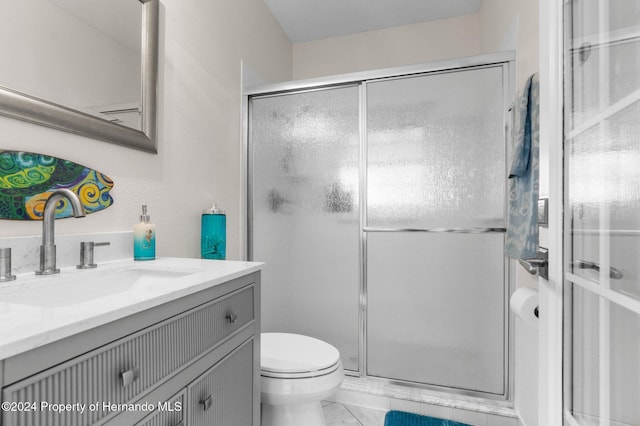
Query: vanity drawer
{"points": [[223, 395], [123, 371]]}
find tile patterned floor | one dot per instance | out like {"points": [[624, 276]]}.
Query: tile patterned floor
{"points": [[337, 414]]}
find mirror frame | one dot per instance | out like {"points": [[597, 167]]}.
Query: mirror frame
{"points": [[39, 111]]}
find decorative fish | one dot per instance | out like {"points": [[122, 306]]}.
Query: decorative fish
{"points": [[27, 180]]}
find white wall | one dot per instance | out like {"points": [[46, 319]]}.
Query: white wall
{"points": [[507, 25], [511, 24], [409, 44], [202, 44], [499, 25], [526, 357]]}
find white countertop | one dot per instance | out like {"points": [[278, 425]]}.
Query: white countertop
{"points": [[37, 310]]}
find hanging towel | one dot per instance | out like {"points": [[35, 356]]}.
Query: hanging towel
{"points": [[522, 225]]}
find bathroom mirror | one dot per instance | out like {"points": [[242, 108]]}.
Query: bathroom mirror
{"points": [[83, 66]]}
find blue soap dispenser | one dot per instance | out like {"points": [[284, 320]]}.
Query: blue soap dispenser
{"points": [[213, 237], [144, 237]]}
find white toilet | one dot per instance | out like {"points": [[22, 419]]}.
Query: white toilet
{"points": [[297, 373]]}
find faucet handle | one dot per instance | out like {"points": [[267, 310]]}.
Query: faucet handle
{"points": [[86, 254]]}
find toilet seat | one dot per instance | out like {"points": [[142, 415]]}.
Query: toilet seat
{"points": [[292, 356], [301, 374], [297, 372]]}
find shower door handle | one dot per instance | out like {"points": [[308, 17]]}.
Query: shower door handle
{"points": [[438, 230], [614, 273]]}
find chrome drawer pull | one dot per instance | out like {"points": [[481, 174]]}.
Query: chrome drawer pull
{"points": [[232, 317], [130, 376], [206, 403]]}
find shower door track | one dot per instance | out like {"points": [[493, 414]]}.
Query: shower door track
{"points": [[361, 79], [363, 76]]}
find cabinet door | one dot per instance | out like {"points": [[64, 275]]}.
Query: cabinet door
{"points": [[168, 413], [224, 394]]}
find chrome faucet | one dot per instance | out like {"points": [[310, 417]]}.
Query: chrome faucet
{"points": [[48, 248]]}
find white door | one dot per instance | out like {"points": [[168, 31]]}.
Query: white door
{"points": [[602, 212]]}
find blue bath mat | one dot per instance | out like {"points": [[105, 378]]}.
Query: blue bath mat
{"points": [[400, 418]]}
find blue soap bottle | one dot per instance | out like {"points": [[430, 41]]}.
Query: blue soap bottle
{"points": [[144, 237], [213, 237]]}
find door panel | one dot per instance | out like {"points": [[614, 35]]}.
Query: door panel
{"points": [[436, 161], [436, 309], [306, 214], [436, 150], [606, 370], [602, 153]]}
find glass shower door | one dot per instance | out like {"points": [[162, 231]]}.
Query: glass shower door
{"points": [[435, 199], [305, 208]]}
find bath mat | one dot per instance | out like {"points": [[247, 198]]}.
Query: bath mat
{"points": [[400, 418]]}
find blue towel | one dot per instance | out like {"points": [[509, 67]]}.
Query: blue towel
{"points": [[522, 224], [400, 418]]}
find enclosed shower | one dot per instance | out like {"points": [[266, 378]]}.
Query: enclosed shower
{"points": [[377, 201]]}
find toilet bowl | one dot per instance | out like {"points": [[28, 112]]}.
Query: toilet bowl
{"points": [[297, 372]]}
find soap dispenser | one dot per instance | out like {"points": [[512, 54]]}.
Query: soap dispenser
{"points": [[144, 237], [213, 237]]}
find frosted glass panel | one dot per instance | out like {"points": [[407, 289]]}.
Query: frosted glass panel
{"points": [[436, 309], [603, 76], [305, 214], [436, 159], [604, 18], [436, 150], [606, 373], [604, 196]]}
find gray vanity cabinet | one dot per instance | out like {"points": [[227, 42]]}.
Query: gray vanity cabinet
{"points": [[192, 361]]}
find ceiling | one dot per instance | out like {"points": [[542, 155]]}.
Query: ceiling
{"points": [[307, 20]]}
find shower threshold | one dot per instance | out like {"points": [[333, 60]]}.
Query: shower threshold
{"points": [[385, 394]]}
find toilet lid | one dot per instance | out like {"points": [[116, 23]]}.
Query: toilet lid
{"points": [[294, 353]]}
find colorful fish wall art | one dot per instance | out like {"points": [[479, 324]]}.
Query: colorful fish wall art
{"points": [[27, 179]]}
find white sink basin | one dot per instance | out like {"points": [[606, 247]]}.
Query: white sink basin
{"points": [[92, 285], [37, 310]]}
